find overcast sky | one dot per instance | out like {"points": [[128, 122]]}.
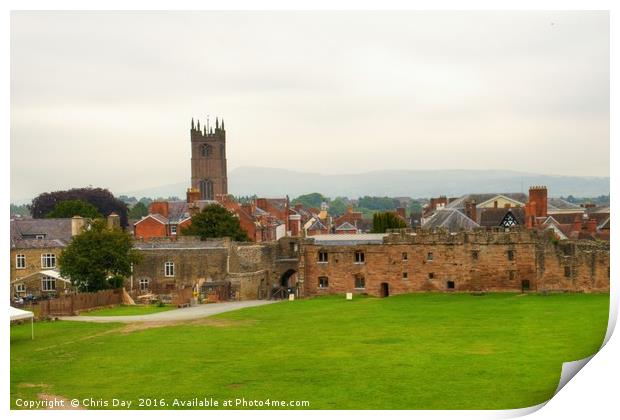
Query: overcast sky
{"points": [[106, 98]]}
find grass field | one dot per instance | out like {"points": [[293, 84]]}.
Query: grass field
{"points": [[129, 310], [423, 351]]}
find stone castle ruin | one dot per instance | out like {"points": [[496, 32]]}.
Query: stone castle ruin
{"points": [[403, 261]]}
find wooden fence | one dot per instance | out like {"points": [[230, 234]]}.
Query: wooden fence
{"points": [[74, 303], [182, 296]]}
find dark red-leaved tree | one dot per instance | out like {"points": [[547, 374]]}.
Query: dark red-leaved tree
{"points": [[101, 198]]}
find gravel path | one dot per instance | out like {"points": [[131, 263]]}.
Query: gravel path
{"points": [[184, 314]]}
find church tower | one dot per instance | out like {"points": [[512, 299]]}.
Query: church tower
{"points": [[209, 160]]}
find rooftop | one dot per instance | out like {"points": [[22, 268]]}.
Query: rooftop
{"points": [[349, 239], [47, 229], [451, 219]]}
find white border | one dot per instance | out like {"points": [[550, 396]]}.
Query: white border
{"points": [[593, 393]]}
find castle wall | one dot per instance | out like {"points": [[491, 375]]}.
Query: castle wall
{"points": [[494, 261], [193, 265], [251, 269], [480, 261]]}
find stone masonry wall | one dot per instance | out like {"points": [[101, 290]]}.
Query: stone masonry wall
{"points": [[191, 266], [406, 261], [479, 261]]}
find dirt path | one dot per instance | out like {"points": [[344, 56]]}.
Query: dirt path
{"points": [[185, 314]]}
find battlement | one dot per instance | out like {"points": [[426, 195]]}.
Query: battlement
{"points": [[206, 132], [480, 235]]}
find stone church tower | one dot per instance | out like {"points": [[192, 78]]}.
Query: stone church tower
{"points": [[209, 160]]}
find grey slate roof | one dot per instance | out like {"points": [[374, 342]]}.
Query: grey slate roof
{"points": [[317, 225], [38, 243], [451, 219], [494, 217], [179, 211], [560, 204], [58, 230]]}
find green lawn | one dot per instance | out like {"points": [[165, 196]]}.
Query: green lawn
{"points": [[129, 310], [422, 351]]}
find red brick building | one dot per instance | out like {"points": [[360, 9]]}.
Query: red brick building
{"points": [[167, 218]]}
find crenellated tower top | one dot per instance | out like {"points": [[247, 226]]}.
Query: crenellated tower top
{"points": [[206, 132]]}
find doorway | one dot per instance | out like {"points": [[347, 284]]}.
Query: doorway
{"points": [[525, 286], [385, 290]]}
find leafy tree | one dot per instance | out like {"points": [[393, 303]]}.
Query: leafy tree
{"points": [[146, 201], [128, 200], [378, 203], [101, 198], [214, 221], [21, 210], [96, 254], [245, 199], [415, 206], [382, 221], [70, 208], [138, 210], [311, 200], [338, 206]]}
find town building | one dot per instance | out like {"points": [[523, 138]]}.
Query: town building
{"points": [[36, 245], [533, 211], [168, 218]]}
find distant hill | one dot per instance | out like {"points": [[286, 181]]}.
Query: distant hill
{"points": [[270, 182]]}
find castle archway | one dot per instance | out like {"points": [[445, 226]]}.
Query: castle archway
{"points": [[289, 278]]}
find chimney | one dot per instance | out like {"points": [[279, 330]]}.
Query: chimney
{"points": [[114, 221], [495, 204], [159, 207], [530, 214], [261, 203], [299, 206], [193, 195], [591, 225], [401, 212], [438, 203], [470, 210], [77, 224], [576, 224], [538, 195]]}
